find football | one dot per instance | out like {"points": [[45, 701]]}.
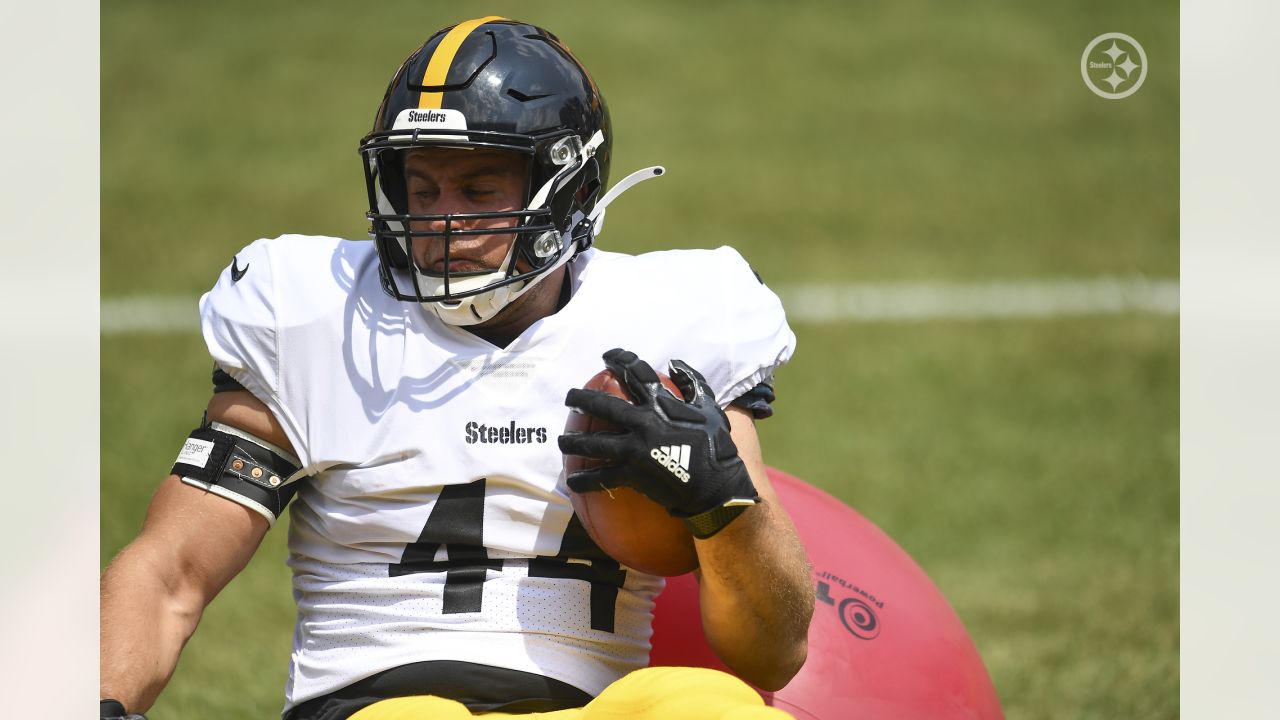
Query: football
{"points": [[629, 527]]}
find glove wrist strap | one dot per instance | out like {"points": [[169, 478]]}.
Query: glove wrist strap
{"points": [[705, 524]]}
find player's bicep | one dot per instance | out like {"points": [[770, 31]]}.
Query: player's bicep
{"points": [[240, 409], [197, 541]]}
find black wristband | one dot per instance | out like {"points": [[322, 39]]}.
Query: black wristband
{"points": [[111, 709], [704, 525]]}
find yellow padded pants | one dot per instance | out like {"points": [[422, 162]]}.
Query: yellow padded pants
{"points": [[656, 693]]}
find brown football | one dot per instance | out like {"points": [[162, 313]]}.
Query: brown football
{"points": [[631, 528]]}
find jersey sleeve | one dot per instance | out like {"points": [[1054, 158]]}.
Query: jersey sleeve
{"points": [[239, 321], [750, 334]]}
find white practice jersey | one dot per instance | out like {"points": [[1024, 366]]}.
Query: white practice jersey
{"points": [[435, 523]]}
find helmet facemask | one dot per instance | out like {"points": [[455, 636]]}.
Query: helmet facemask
{"points": [[501, 84], [562, 179]]}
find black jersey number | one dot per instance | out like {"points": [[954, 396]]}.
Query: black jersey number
{"points": [[456, 523]]}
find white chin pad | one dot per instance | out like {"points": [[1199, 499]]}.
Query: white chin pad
{"points": [[431, 285], [477, 308]]}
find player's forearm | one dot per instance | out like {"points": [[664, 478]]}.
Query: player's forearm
{"points": [[756, 597], [146, 617]]}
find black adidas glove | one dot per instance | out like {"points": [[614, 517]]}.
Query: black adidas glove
{"points": [[676, 452], [114, 710]]}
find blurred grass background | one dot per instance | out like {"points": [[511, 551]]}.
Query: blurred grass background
{"points": [[1030, 466]]}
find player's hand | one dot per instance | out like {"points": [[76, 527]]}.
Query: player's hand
{"points": [[114, 710], [677, 452]]}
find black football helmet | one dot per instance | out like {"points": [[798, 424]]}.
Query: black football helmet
{"points": [[492, 83]]}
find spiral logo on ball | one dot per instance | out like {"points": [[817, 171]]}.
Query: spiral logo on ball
{"points": [[859, 618]]}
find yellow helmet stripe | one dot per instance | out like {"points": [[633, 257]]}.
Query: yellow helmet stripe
{"points": [[442, 58]]}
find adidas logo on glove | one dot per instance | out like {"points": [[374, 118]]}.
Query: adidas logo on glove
{"points": [[674, 458]]}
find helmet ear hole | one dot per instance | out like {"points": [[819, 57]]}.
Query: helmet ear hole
{"points": [[561, 204], [580, 196], [589, 190]]}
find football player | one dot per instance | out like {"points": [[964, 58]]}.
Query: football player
{"points": [[408, 395]]}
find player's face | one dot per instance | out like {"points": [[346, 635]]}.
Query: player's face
{"points": [[454, 180]]}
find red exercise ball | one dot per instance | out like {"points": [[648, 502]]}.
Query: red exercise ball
{"points": [[884, 643]]}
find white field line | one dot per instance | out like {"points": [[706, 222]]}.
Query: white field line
{"points": [[150, 314], [897, 302], [817, 303]]}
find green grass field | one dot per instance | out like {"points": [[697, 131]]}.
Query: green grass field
{"points": [[1030, 466]]}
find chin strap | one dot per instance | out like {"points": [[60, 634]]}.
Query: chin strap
{"points": [[596, 218]]}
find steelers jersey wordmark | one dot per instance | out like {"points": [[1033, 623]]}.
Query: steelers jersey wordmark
{"points": [[674, 458]]}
